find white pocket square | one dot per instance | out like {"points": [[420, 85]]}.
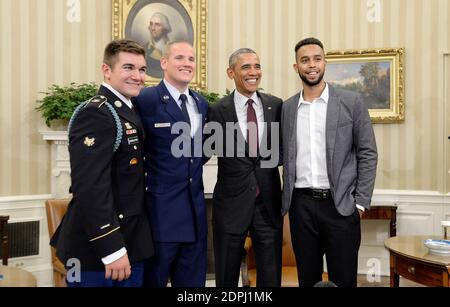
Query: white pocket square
{"points": [[162, 125]]}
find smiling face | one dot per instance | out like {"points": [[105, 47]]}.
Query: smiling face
{"points": [[178, 64], [310, 64], [246, 73], [126, 74]]}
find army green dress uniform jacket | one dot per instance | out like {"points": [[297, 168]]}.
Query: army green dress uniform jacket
{"points": [[108, 210]]}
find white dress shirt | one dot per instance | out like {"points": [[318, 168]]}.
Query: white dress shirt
{"points": [[191, 106], [311, 163], [240, 102]]}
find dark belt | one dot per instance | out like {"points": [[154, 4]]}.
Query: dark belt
{"points": [[316, 193]]}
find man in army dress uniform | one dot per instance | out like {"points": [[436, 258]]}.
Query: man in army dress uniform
{"points": [[106, 226]]}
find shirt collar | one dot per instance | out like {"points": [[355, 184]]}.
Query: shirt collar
{"points": [[119, 95], [324, 97], [175, 93], [241, 100]]}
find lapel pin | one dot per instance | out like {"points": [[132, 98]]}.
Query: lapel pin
{"points": [[89, 142], [118, 104], [166, 97]]}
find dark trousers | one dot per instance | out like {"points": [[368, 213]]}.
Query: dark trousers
{"points": [[183, 263], [317, 229], [266, 242]]}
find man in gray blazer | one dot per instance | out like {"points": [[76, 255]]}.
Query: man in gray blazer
{"points": [[330, 161]]}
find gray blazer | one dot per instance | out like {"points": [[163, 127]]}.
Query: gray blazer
{"points": [[351, 150]]}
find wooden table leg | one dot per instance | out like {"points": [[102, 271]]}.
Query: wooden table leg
{"points": [[394, 277]]}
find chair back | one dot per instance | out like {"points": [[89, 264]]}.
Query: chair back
{"points": [[56, 208], [4, 241]]}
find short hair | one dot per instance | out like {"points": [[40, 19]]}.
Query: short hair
{"points": [[169, 44], [234, 56], [164, 21], [113, 49], [308, 41]]}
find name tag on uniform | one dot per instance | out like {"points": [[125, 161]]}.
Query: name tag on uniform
{"points": [[162, 125], [133, 140]]}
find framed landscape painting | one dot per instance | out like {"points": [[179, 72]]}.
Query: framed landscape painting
{"points": [[377, 74]]}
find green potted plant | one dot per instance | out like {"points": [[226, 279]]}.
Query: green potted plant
{"points": [[61, 101]]}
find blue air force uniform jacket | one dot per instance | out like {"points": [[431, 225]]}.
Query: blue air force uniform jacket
{"points": [[175, 185]]}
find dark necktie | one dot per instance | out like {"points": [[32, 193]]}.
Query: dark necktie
{"points": [[252, 130], [252, 134], [183, 99]]}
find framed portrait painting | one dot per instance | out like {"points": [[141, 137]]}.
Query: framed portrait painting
{"points": [[377, 74], [154, 23]]}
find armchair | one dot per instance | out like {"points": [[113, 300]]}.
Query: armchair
{"points": [[56, 208]]}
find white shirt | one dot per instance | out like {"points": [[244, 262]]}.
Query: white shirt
{"points": [[240, 102], [122, 97], [311, 160], [191, 106]]}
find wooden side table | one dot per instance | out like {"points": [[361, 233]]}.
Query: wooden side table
{"points": [[16, 277], [383, 213], [410, 258]]}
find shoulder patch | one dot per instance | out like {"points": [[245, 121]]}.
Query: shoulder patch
{"points": [[98, 100]]}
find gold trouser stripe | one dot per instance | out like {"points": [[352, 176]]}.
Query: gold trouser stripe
{"points": [[106, 234]]}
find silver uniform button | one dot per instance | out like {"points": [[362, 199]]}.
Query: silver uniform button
{"points": [[190, 180], [135, 147], [121, 216]]}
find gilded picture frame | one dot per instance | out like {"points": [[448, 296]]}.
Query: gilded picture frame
{"points": [[377, 74], [180, 20]]}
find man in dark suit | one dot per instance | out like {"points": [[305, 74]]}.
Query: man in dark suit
{"points": [[106, 226], [330, 161], [174, 182], [247, 196]]}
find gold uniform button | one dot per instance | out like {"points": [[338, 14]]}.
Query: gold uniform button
{"points": [[133, 161]]}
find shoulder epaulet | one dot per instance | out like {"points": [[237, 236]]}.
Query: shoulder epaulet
{"points": [[100, 101]]}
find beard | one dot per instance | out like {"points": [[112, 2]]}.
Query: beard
{"points": [[313, 83]]}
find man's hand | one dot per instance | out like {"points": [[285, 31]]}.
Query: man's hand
{"points": [[119, 269]]}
